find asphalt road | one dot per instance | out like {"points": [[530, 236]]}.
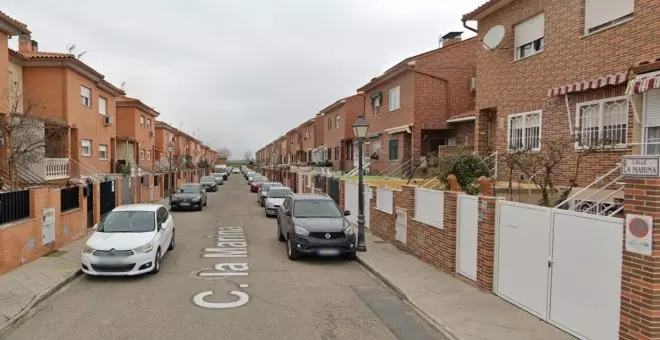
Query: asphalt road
{"points": [[306, 299]]}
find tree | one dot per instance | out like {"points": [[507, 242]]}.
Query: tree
{"points": [[24, 137], [224, 152], [247, 156]]}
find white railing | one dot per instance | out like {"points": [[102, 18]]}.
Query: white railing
{"points": [[592, 207], [493, 157], [56, 168]]}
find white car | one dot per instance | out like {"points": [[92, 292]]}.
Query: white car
{"points": [[130, 240], [274, 199], [236, 171]]}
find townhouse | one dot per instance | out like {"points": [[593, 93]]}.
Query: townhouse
{"points": [[568, 69], [164, 136], [337, 120], [420, 104], [307, 133], [135, 133]]}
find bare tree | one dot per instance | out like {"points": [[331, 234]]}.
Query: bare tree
{"points": [[224, 152], [24, 136], [247, 155]]}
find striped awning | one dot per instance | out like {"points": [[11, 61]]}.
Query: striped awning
{"points": [[590, 84], [645, 82]]}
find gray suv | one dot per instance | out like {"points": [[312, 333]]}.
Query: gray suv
{"points": [[312, 224]]}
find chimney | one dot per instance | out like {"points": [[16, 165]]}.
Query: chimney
{"points": [[450, 38], [24, 43], [35, 46]]}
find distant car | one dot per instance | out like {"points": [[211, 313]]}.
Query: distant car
{"points": [[189, 196], [252, 176], [248, 174], [313, 225], [209, 183], [219, 178], [130, 240], [274, 199], [221, 169], [236, 171], [263, 191], [257, 182]]}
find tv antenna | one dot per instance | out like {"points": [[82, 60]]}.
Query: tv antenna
{"points": [[493, 38], [123, 85], [70, 48], [81, 54]]}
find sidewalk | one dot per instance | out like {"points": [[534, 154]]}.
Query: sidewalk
{"points": [[31, 283], [455, 307]]}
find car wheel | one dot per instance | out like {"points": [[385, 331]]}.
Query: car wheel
{"points": [[201, 206], [206, 203], [291, 252], [279, 234], [172, 240], [156, 268]]}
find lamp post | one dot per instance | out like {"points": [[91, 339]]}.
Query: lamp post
{"points": [[170, 150], [360, 129]]}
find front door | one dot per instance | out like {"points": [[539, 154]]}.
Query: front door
{"points": [[90, 205]]}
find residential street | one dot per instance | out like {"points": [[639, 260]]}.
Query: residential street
{"points": [[308, 299]]}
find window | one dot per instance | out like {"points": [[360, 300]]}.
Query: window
{"points": [[602, 121], [394, 149], [337, 153], [375, 146], [329, 123], [148, 155], [103, 106], [337, 121], [600, 14], [329, 153], [306, 134], [86, 147], [394, 98], [652, 122], [142, 122], [103, 151], [149, 124], [141, 154], [525, 131], [529, 36], [375, 104], [85, 96]]}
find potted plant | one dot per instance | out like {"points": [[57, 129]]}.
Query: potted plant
{"points": [[374, 156]]}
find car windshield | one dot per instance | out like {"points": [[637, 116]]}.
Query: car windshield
{"points": [[128, 222], [278, 193], [220, 171], [190, 189], [207, 179], [316, 209], [217, 175], [259, 180], [267, 186]]}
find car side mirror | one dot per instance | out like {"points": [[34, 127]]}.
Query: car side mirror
{"points": [[347, 212], [96, 226]]}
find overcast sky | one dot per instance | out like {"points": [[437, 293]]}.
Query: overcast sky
{"points": [[240, 73]]}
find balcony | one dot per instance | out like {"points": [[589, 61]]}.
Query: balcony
{"points": [[56, 168]]}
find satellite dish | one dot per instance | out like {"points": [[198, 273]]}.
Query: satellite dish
{"points": [[493, 37]]}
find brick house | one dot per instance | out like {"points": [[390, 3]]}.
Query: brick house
{"points": [[86, 103], [165, 134], [307, 132], [294, 141], [337, 120], [561, 70], [135, 133], [421, 103]]}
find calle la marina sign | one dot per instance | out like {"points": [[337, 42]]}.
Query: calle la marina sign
{"points": [[640, 166]]}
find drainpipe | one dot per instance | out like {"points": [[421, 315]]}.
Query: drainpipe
{"points": [[468, 27]]}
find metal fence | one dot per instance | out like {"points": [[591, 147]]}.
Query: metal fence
{"points": [[69, 198], [14, 205]]}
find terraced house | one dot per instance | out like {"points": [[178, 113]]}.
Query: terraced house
{"points": [[574, 70], [337, 120]]}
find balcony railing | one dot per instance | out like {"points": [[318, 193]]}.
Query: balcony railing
{"points": [[56, 168]]}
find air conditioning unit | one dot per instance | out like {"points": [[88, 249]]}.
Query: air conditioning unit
{"points": [[473, 84], [107, 120]]}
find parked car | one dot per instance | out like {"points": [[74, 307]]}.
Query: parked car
{"points": [[312, 224], [189, 196], [129, 240], [248, 174], [263, 191], [221, 169], [235, 171], [256, 183], [209, 183], [219, 178], [274, 199]]}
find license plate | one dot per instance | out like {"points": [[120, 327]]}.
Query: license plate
{"points": [[185, 204], [328, 252]]}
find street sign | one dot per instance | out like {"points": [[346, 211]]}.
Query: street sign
{"points": [[640, 166], [639, 234]]}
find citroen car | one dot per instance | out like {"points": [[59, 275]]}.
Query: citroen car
{"points": [[263, 191], [312, 224], [189, 196], [274, 199], [129, 240]]}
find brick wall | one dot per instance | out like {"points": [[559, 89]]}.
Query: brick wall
{"points": [[22, 240]]}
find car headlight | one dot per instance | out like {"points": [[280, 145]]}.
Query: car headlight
{"points": [[196, 199], [144, 249], [87, 249], [349, 231], [300, 231], [270, 205]]}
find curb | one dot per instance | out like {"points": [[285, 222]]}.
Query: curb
{"points": [[437, 325], [16, 319]]}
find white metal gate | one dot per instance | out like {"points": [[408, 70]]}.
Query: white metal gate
{"points": [[467, 233], [562, 266], [351, 202], [368, 195], [48, 226], [401, 225]]}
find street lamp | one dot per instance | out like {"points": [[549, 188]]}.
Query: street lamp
{"points": [[360, 129], [170, 150]]}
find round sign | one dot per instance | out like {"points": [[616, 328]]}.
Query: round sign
{"points": [[638, 227]]}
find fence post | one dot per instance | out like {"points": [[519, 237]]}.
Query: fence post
{"points": [[453, 183]]}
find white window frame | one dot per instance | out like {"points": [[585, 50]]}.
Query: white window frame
{"points": [[337, 121], [86, 143], [394, 98], [375, 103], [103, 151], [532, 44], [148, 155], [103, 105], [142, 122], [149, 124], [578, 127], [645, 127], [85, 99], [141, 154], [614, 22], [523, 137]]}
